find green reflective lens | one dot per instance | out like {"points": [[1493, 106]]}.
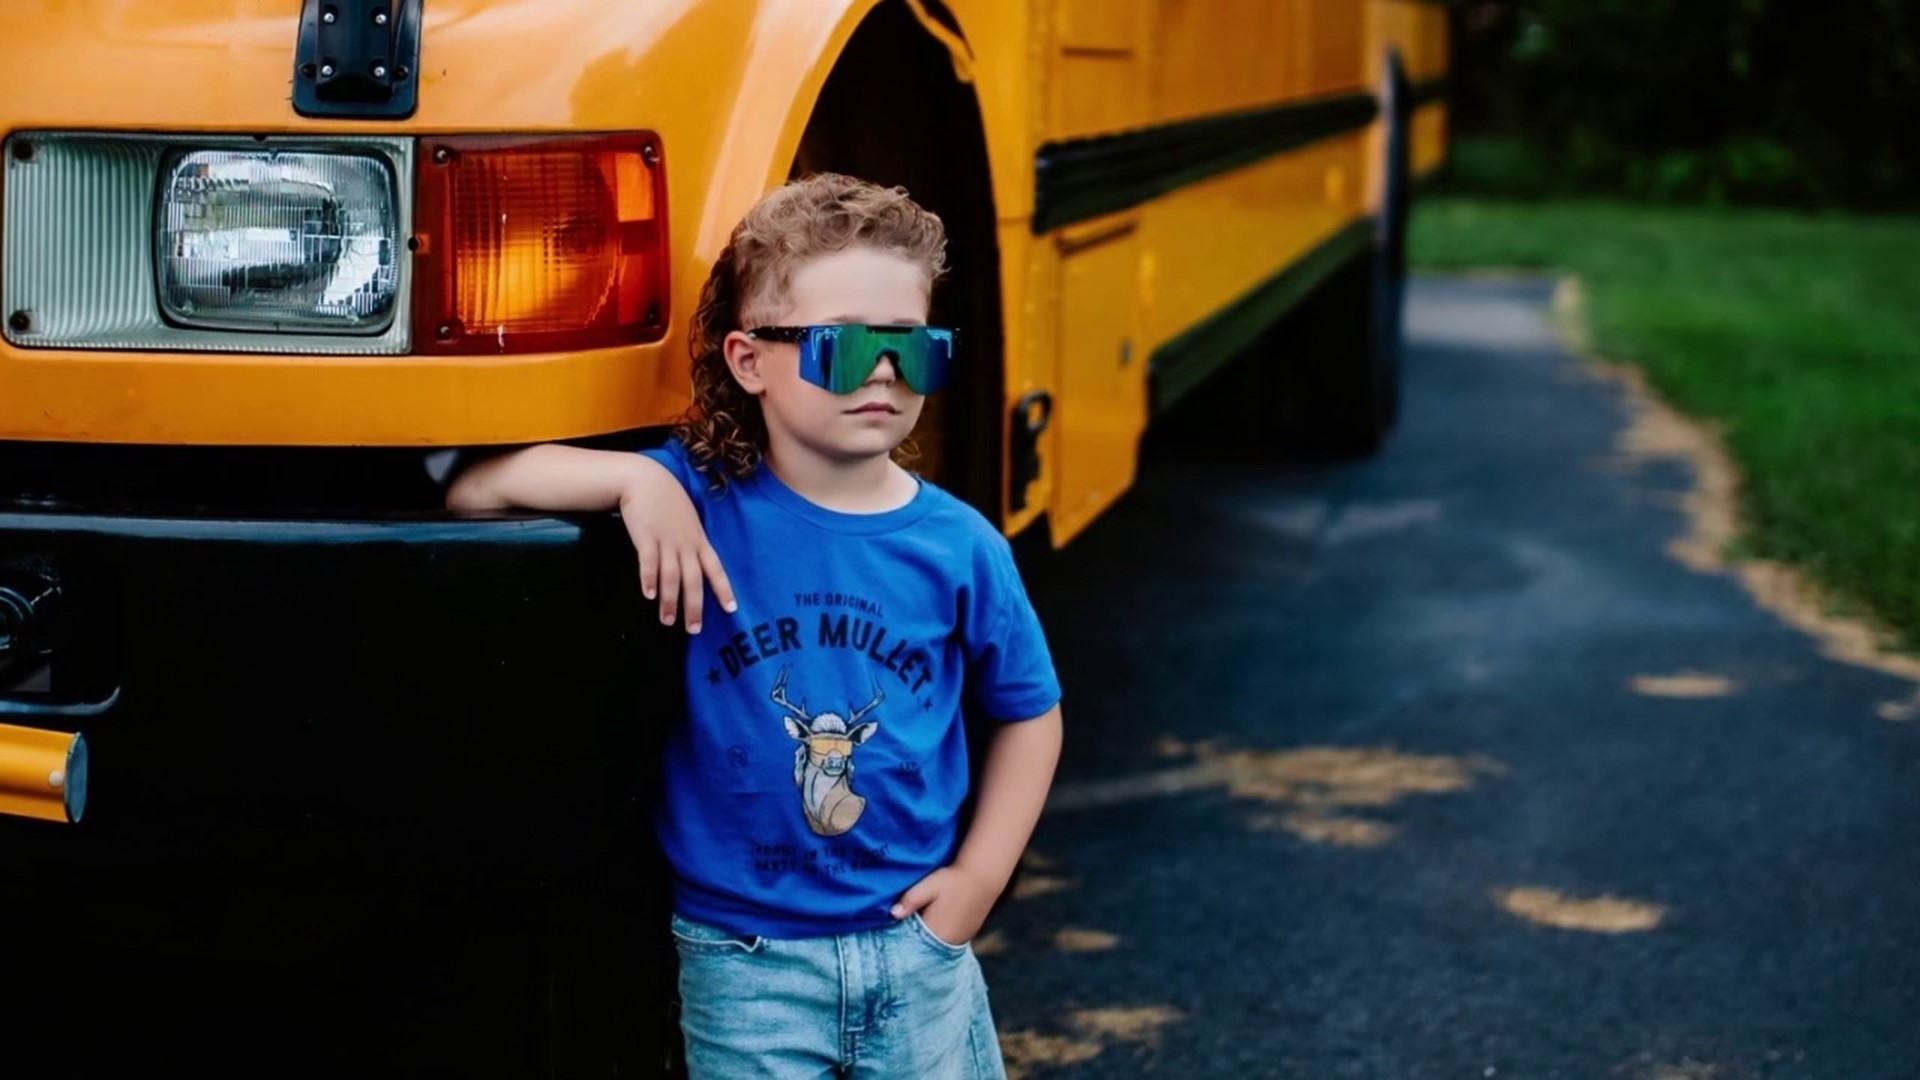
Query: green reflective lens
{"points": [[841, 357]]}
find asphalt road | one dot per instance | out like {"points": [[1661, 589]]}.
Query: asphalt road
{"points": [[1439, 765]]}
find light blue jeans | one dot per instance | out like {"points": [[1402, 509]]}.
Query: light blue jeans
{"points": [[891, 1004]]}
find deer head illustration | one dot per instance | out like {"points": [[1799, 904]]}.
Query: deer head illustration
{"points": [[823, 762]]}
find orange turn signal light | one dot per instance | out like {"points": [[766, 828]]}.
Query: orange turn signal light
{"points": [[538, 243]]}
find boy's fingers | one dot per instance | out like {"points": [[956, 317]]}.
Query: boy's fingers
{"points": [[669, 587], [694, 600], [915, 898], [717, 578], [649, 565]]}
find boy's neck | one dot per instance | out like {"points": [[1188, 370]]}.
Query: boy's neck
{"points": [[862, 486]]}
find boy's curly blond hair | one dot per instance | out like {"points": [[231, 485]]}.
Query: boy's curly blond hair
{"points": [[827, 212]]}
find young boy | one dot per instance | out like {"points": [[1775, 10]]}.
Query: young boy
{"points": [[824, 899]]}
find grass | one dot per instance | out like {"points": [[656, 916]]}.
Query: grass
{"points": [[1799, 334]]}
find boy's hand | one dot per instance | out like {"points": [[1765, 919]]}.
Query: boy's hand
{"points": [[675, 558], [953, 901]]}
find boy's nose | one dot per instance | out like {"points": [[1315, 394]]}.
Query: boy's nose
{"points": [[884, 369]]}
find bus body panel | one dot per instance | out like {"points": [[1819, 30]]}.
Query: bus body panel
{"points": [[1120, 286]]}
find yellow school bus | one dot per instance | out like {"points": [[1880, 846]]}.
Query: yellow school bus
{"points": [[267, 267]]}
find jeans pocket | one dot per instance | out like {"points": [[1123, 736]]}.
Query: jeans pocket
{"points": [[699, 939], [939, 944]]}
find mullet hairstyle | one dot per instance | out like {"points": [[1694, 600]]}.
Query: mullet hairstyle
{"points": [[724, 429]]}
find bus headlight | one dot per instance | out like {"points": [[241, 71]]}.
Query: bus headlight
{"points": [[269, 239], [284, 245]]}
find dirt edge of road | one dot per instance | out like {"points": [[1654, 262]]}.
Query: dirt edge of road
{"points": [[1658, 430]]}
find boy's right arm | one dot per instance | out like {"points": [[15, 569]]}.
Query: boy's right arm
{"points": [[675, 558]]}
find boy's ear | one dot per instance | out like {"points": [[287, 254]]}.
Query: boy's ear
{"points": [[743, 355]]}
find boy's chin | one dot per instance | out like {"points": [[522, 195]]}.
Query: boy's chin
{"points": [[853, 451], [853, 447]]}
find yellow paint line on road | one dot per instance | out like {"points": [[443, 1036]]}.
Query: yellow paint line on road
{"points": [[1900, 711], [1320, 782], [1032, 885], [1077, 940], [1595, 914], [1094, 1031], [1348, 775], [1141, 1024], [1685, 684], [1025, 1051], [1323, 828]]}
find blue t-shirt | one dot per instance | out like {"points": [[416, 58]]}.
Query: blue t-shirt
{"points": [[823, 759]]}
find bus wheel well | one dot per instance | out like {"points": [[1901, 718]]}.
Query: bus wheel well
{"points": [[892, 112]]}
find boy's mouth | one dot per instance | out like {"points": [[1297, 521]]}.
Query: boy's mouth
{"points": [[874, 407]]}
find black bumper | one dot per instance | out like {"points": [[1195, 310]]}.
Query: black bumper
{"points": [[367, 797]]}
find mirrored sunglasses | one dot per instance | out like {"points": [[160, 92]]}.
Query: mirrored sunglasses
{"points": [[840, 357]]}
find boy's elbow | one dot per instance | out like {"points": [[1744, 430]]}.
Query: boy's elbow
{"points": [[469, 491]]}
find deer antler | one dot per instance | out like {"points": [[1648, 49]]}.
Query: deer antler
{"points": [[780, 697], [878, 697]]}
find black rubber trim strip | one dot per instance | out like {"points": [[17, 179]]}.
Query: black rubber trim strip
{"points": [[1184, 362], [1428, 91], [1083, 178]]}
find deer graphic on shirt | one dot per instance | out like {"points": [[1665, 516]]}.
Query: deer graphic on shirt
{"points": [[823, 762]]}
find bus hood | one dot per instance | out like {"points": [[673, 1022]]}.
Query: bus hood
{"points": [[228, 65]]}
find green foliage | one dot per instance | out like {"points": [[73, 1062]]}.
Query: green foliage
{"points": [[1505, 167], [1798, 333], [1746, 170], [1715, 101]]}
